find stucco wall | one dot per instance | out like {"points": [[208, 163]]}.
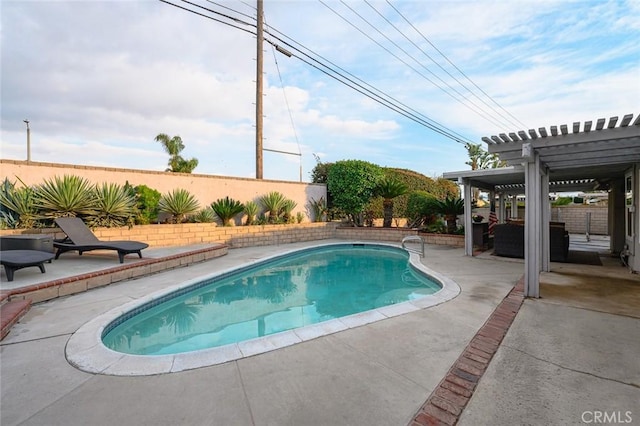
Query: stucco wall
{"points": [[206, 188]]}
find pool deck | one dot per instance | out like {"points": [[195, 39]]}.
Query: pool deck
{"points": [[559, 362]]}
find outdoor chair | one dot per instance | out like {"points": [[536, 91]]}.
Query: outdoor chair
{"points": [[80, 238]]}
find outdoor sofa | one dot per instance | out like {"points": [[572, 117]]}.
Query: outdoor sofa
{"points": [[508, 240]]}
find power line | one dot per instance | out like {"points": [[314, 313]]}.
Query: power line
{"points": [[454, 65], [475, 108], [507, 120], [373, 93], [378, 97]]}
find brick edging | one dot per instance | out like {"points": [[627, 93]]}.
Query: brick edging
{"points": [[78, 283], [446, 403]]}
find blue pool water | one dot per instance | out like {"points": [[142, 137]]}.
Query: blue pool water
{"points": [[292, 291]]}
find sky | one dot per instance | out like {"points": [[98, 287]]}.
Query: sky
{"points": [[98, 80]]}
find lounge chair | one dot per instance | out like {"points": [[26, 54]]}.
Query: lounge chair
{"points": [[80, 238], [12, 260]]}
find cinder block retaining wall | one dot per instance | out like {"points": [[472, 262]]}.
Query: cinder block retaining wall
{"points": [[575, 218], [396, 235], [167, 235]]}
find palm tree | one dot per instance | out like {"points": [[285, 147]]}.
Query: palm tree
{"points": [[174, 146], [389, 189], [450, 208]]}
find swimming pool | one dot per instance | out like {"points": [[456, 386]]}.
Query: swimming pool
{"points": [[307, 287], [164, 332]]}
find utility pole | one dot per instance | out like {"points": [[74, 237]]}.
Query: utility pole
{"points": [[28, 141], [259, 67]]}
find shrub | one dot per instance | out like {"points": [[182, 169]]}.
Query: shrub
{"points": [[178, 203], [352, 184], [17, 206], [226, 209], [273, 203], [66, 196], [251, 210], [299, 217], [421, 209], [147, 200], [318, 209], [287, 209], [114, 206], [206, 215]]}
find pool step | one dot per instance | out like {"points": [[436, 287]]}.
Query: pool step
{"points": [[11, 312]]}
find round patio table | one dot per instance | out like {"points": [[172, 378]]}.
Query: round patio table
{"points": [[12, 260]]}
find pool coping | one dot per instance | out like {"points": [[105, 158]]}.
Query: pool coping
{"points": [[85, 350]]}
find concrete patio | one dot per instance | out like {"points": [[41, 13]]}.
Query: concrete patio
{"points": [[559, 360]]}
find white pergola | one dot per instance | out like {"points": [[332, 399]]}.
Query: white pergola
{"points": [[583, 157]]}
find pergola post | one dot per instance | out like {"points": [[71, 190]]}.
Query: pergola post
{"points": [[532, 227], [514, 206], [468, 225], [502, 208], [546, 214]]}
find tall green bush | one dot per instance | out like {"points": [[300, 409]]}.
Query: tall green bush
{"points": [[352, 184], [421, 209], [147, 200]]}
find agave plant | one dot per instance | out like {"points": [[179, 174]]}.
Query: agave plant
{"points": [[18, 208], [273, 203], [178, 203], [226, 209], [251, 210], [114, 206], [65, 196]]}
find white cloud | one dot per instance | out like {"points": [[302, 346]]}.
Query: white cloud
{"points": [[99, 80]]}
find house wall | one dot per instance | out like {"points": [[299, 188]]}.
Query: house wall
{"points": [[206, 188], [634, 258]]}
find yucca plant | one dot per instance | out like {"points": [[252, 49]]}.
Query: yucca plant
{"points": [[318, 209], [114, 206], [205, 215], [272, 203], [251, 210], [299, 217], [65, 196], [178, 203], [18, 207], [287, 208], [226, 209]]}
